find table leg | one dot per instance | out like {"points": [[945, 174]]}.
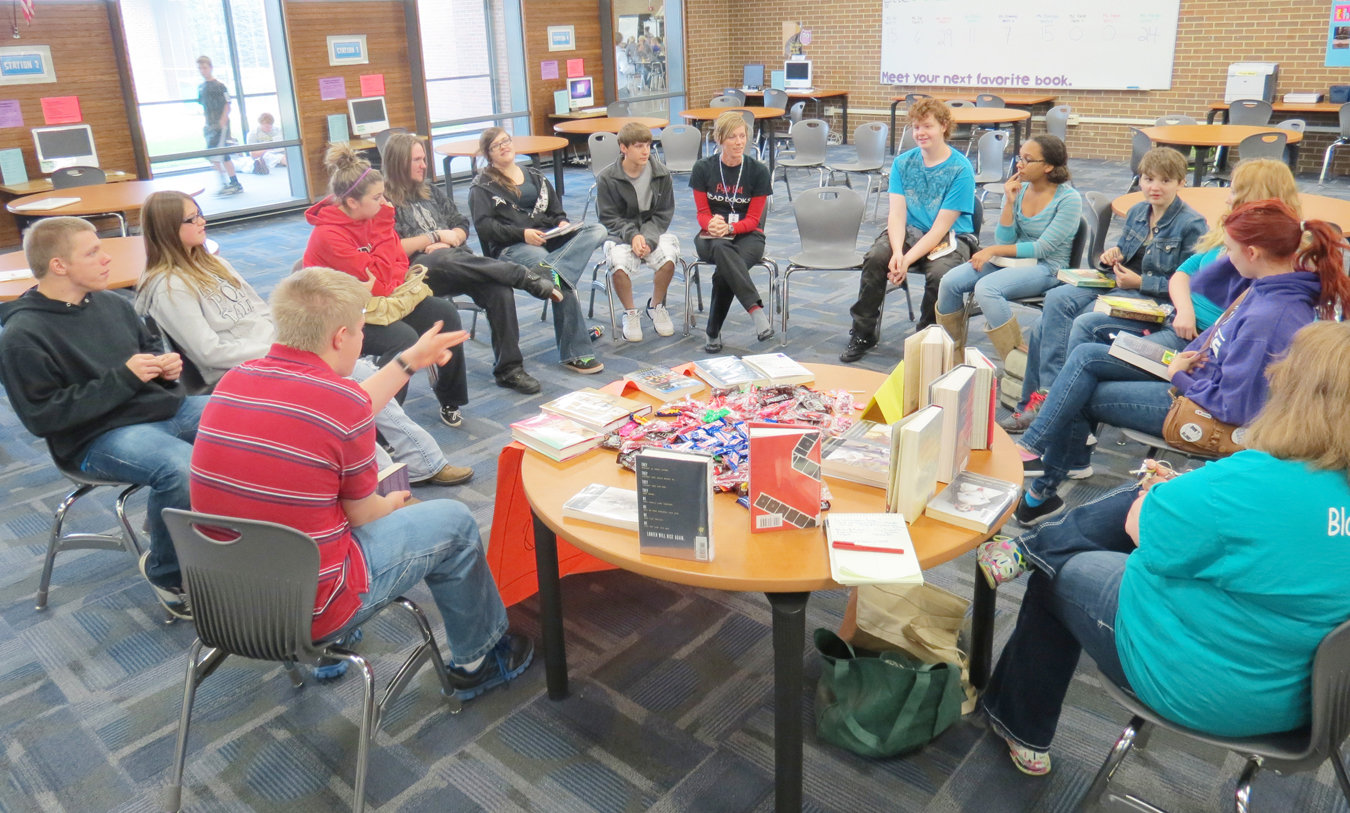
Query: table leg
{"points": [[894, 105], [557, 172], [981, 631], [449, 184], [550, 610], [846, 130], [789, 636], [1201, 155]]}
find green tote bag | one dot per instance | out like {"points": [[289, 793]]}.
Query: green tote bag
{"points": [[880, 706]]}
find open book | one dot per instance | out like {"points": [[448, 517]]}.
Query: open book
{"points": [[559, 231]]}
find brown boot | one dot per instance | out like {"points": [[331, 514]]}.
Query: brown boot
{"points": [[1007, 341], [955, 325]]}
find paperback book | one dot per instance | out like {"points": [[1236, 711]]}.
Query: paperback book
{"points": [[871, 549], [606, 505], [1148, 356], [916, 444], [784, 476], [665, 384], [928, 355], [955, 393], [778, 368], [391, 478], [944, 247], [973, 501], [555, 437], [1014, 262], [986, 399], [674, 494], [861, 455], [596, 410], [1086, 278], [1128, 307], [726, 372]]}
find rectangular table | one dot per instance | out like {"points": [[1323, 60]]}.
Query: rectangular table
{"points": [[817, 96]]}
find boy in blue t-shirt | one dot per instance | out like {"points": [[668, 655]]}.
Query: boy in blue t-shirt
{"points": [[932, 193]]}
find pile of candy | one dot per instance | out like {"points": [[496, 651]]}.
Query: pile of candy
{"points": [[717, 426]]}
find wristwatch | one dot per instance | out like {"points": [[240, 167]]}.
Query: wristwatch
{"points": [[402, 362], [434, 238]]}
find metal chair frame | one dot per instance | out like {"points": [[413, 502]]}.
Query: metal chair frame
{"points": [[824, 248], [607, 285], [125, 540]]}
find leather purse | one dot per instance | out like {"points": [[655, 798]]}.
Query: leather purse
{"points": [[1191, 428]]}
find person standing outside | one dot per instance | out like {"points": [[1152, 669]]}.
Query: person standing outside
{"points": [[214, 98], [635, 200], [932, 193]]}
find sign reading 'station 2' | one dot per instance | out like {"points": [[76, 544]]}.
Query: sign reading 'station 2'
{"points": [[1042, 44]]}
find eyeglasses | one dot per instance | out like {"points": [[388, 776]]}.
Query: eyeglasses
{"points": [[188, 221], [500, 144], [1022, 159]]}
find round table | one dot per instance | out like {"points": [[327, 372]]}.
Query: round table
{"points": [[1210, 201], [102, 198], [523, 145], [768, 115], [605, 125], [785, 565], [1012, 100], [1204, 137], [128, 262]]}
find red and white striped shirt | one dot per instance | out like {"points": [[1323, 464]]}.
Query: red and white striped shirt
{"points": [[285, 439]]}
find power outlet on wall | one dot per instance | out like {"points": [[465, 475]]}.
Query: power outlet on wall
{"points": [[1073, 120]]}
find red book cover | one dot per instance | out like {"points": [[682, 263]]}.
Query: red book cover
{"points": [[784, 476]]}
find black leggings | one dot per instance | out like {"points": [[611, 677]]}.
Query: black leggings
{"points": [[387, 341]]}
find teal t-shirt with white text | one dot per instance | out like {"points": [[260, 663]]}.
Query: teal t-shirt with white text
{"points": [[1243, 567]]}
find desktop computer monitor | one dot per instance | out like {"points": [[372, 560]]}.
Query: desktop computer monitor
{"points": [[797, 74], [752, 77], [71, 145], [581, 92], [368, 115]]}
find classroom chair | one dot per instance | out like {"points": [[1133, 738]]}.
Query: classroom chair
{"points": [[71, 177], [989, 100], [680, 145], [828, 221], [607, 285], [737, 93], [1260, 145], [809, 140], [1291, 150], [1100, 203], [1341, 140], [604, 151], [991, 172], [1139, 144], [870, 142], [1057, 121], [977, 225], [727, 100]]}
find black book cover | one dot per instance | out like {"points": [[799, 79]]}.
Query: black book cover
{"points": [[675, 504]]}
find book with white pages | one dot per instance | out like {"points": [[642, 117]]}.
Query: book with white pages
{"points": [[595, 409], [1014, 262], [955, 393], [1148, 356], [559, 231], [848, 537], [916, 445], [44, 205], [779, 368], [986, 398], [605, 505], [725, 372], [18, 273], [973, 501]]}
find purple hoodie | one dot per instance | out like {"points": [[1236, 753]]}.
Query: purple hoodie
{"points": [[1232, 385]]}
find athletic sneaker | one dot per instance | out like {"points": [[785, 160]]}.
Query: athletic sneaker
{"points": [[587, 365], [661, 319], [510, 656], [1033, 467], [1020, 421], [857, 348], [173, 598], [451, 417], [231, 188], [1000, 560], [334, 668], [632, 325], [1028, 515]]}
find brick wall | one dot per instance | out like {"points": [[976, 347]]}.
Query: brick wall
{"points": [[1211, 34]]}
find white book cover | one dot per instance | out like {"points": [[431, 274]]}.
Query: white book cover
{"points": [[778, 368], [955, 393], [724, 372], [973, 501], [607, 505], [849, 535], [595, 409], [46, 204], [916, 446]]}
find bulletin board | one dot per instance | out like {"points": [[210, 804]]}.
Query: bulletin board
{"points": [[1043, 44]]}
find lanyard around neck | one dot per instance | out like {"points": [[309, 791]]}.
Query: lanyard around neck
{"points": [[721, 171]]}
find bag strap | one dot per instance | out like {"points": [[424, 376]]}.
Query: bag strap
{"points": [[923, 678], [1223, 317]]}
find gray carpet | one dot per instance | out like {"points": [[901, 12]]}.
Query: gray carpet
{"points": [[671, 705]]}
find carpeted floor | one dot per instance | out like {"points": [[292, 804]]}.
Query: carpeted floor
{"points": [[671, 705]]}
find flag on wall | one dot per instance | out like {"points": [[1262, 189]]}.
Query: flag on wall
{"points": [[27, 6]]}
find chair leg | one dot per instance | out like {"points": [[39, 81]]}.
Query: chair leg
{"points": [[1242, 796], [684, 272], [428, 650], [595, 275], [296, 676], [1326, 160], [197, 671], [368, 729], [54, 544], [1341, 777], [787, 278], [1113, 760], [609, 298], [129, 539]]}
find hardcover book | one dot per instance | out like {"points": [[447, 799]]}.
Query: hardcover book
{"points": [[784, 476], [861, 455], [664, 383], [391, 478], [955, 393], [1128, 307], [778, 368], [555, 437], [596, 410], [916, 444], [986, 399], [1148, 356], [928, 354], [606, 505], [674, 493], [973, 501]]}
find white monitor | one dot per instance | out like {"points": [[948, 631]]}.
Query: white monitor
{"points": [[581, 92], [71, 145], [368, 115], [797, 74]]}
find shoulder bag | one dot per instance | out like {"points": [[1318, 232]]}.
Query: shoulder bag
{"points": [[1190, 428], [386, 310]]}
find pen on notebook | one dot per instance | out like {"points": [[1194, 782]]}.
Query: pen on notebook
{"points": [[840, 544]]}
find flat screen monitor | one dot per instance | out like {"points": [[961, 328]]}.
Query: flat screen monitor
{"points": [[368, 115], [797, 73], [752, 76], [69, 146], [581, 92]]}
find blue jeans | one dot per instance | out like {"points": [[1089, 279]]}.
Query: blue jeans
{"points": [[158, 455], [1095, 526], [412, 444], [436, 541], [570, 261], [993, 287], [1063, 614], [1100, 327], [1093, 387]]}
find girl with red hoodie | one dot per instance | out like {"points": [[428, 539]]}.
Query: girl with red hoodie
{"points": [[354, 233]]}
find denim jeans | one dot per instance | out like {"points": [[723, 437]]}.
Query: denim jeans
{"points": [[1093, 387], [1047, 346], [437, 542], [1095, 526], [872, 282], [1102, 328], [570, 261], [159, 455], [450, 383], [489, 283], [993, 287], [412, 444], [1061, 617]]}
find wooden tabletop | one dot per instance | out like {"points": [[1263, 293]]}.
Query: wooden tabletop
{"points": [[128, 262], [1210, 201], [1290, 107], [523, 145], [605, 125], [1211, 135], [104, 197], [1015, 99], [989, 115], [782, 561], [800, 95], [36, 185], [710, 113]]}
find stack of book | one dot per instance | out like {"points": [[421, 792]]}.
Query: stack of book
{"points": [[928, 355], [916, 445], [554, 437], [728, 372], [955, 393], [596, 410], [664, 384], [861, 455]]}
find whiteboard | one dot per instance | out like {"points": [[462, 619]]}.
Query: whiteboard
{"points": [[1056, 44]]}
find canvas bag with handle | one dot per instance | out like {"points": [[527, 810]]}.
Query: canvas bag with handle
{"points": [[386, 310], [921, 619], [1189, 427]]}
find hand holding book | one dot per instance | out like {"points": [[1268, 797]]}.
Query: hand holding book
{"points": [[1187, 360]]}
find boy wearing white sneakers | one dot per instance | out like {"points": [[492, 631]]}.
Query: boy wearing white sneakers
{"points": [[635, 199]]}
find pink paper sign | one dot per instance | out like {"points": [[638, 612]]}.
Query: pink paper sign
{"points": [[576, 67], [332, 87], [548, 69], [61, 110], [372, 84], [10, 113]]}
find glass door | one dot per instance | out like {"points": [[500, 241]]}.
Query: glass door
{"points": [[213, 89], [645, 65]]}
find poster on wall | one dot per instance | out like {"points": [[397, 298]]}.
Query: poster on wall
{"points": [[562, 38], [31, 65], [348, 49], [1338, 35]]}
